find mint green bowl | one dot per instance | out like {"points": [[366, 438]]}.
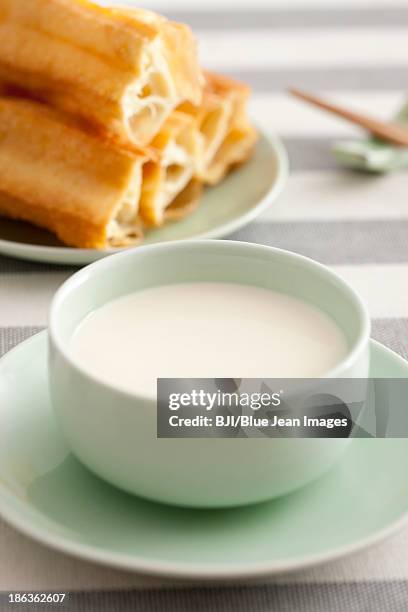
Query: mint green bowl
{"points": [[113, 433]]}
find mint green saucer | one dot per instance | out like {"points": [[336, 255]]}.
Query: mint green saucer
{"points": [[241, 197], [48, 495], [372, 154]]}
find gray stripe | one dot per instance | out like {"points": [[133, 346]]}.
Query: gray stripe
{"points": [[358, 77], [392, 332], [334, 243], [10, 265], [11, 336], [333, 597], [278, 19], [310, 153]]}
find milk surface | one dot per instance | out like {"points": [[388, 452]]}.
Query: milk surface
{"points": [[204, 330]]}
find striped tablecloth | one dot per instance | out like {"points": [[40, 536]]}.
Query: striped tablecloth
{"points": [[358, 224]]}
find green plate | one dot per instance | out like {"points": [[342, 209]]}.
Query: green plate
{"points": [[48, 495], [241, 197]]}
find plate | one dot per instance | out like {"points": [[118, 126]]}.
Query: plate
{"points": [[48, 495], [241, 197]]}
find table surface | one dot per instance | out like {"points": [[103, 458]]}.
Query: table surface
{"points": [[355, 223]]}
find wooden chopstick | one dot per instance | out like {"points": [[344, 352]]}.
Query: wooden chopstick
{"points": [[392, 132]]}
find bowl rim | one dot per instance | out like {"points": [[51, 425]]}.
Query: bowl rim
{"points": [[85, 274]]}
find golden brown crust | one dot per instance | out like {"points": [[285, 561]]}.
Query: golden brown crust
{"points": [[222, 119], [180, 51], [186, 202], [71, 229], [235, 150], [58, 176], [83, 58], [220, 84], [177, 148], [152, 182], [175, 124]]}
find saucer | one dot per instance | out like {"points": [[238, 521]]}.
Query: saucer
{"points": [[223, 209], [49, 496]]}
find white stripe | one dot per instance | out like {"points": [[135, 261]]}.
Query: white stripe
{"points": [[26, 297], [341, 196], [309, 48], [384, 288], [291, 117]]}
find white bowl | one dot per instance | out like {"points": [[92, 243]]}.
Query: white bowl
{"points": [[114, 433]]}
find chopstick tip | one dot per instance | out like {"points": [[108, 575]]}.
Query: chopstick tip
{"points": [[294, 91]]}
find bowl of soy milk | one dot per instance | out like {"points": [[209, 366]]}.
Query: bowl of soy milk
{"points": [[197, 310]]}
